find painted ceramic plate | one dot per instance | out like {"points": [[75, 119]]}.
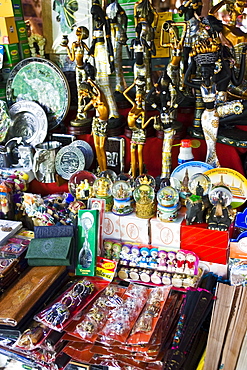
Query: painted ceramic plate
{"points": [[86, 150], [192, 167], [40, 80], [68, 161], [234, 180], [29, 121]]}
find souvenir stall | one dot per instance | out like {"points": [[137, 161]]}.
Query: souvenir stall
{"points": [[123, 185]]}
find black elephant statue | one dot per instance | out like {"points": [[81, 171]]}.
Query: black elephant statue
{"points": [[196, 206]]}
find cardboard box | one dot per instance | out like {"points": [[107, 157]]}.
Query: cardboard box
{"points": [[165, 234], [24, 50], [134, 229], [8, 32], [238, 246], [10, 8], [209, 245], [111, 229], [87, 242], [21, 30], [11, 55]]}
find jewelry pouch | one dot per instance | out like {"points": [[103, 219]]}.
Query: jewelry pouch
{"points": [[50, 252]]}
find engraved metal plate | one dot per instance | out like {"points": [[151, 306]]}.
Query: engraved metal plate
{"points": [[40, 80], [29, 121], [86, 150], [69, 160]]}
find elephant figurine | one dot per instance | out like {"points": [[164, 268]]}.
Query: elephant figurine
{"points": [[220, 217], [196, 206]]}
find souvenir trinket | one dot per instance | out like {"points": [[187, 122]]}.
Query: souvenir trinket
{"points": [[44, 161], [168, 204], [144, 197], [102, 189], [122, 193], [69, 160]]}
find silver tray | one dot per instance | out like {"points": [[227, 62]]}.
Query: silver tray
{"points": [[29, 121], [40, 80], [69, 160]]}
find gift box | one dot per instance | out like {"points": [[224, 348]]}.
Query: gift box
{"points": [[10, 8], [11, 55], [8, 32], [111, 228], [21, 30], [166, 234], [87, 242], [134, 229], [209, 245]]}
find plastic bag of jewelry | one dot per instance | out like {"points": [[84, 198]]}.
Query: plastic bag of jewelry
{"points": [[58, 314], [147, 321], [93, 320], [122, 318]]}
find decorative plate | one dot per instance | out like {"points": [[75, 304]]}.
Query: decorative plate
{"points": [[68, 161], [233, 180], [192, 167], [86, 150], [29, 121], [40, 80]]}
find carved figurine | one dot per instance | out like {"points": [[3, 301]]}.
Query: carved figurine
{"points": [[146, 19], [137, 123], [98, 100], [118, 23], [102, 51], [76, 53]]}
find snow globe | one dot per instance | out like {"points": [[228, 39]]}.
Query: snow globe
{"points": [[121, 191]]}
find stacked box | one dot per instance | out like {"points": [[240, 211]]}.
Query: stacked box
{"points": [[24, 50], [209, 245], [10, 8], [11, 55], [21, 31], [8, 32]]}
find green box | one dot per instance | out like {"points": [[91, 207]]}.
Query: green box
{"points": [[11, 55], [87, 242], [3, 91], [24, 50], [21, 31], [17, 8]]}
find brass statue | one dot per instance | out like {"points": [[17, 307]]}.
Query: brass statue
{"points": [[98, 100]]}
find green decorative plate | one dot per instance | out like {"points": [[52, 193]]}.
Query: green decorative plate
{"points": [[40, 80]]}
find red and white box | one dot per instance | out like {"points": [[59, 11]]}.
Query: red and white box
{"points": [[111, 229], [166, 234], [134, 229], [209, 245]]}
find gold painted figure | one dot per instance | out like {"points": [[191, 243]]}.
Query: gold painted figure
{"points": [[137, 123], [98, 100]]}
